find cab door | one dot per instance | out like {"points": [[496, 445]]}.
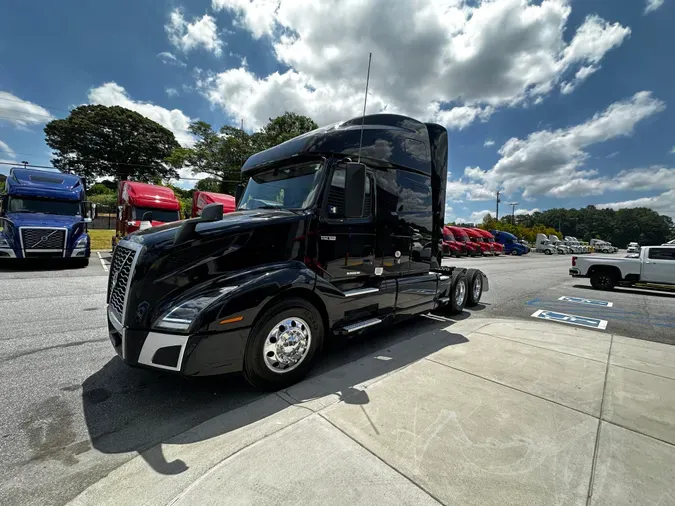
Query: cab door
{"points": [[659, 266]]}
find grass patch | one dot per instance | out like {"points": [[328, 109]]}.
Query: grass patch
{"points": [[101, 239]]}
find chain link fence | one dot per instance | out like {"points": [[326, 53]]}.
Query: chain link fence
{"points": [[105, 217]]}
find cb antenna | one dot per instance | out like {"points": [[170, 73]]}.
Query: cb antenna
{"points": [[365, 101]]}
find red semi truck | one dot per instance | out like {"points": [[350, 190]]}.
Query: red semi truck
{"points": [[201, 199], [477, 238], [497, 248], [460, 235], [141, 206]]}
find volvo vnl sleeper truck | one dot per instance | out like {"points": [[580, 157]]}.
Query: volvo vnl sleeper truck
{"points": [[320, 245], [43, 215]]}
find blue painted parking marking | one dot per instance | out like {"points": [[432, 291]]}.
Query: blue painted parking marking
{"points": [[581, 300], [583, 321]]}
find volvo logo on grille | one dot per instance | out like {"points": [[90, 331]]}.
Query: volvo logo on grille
{"points": [[44, 237]]}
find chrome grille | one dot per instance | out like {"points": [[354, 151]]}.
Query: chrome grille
{"points": [[43, 238], [119, 277]]}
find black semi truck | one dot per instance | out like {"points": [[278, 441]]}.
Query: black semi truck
{"points": [[337, 231]]}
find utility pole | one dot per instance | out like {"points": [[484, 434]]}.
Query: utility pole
{"points": [[242, 124], [498, 192], [513, 212]]}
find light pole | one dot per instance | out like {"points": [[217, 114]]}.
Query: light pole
{"points": [[513, 212], [498, 192]]}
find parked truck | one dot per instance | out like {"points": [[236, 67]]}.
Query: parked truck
{"points": [[603, 246], [200, 199], [655, 266], [141, 206], [261, 289], [460, 235], [510, 243], [43, 215], [451, 246], [559, 245], [476, 237], [497, 248], [544, 245]]}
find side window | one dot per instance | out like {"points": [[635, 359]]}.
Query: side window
{"points": [[662, 253], [336, 196]]}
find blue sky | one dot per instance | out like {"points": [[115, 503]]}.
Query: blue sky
{"points": [[559, 103]]}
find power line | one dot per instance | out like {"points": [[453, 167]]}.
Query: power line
{"points": [[30, 103]]}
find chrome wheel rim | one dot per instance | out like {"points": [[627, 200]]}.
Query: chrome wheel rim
{"points": [[287, 345], [460, 292], [477, 287]]}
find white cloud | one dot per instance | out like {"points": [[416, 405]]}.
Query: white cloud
{"points": [[477, 216], [6, 150], [171, 59], [652, 5], [256, 16], [548, 162], [172, 92], [187, 36], [439, 61], [672, 151], [110, 94], [21, 113], [662, 204], [582, 74], [521, 212], [489, 143]]}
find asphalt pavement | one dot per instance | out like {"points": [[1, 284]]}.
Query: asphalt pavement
{"points": [[520, 286], [72, 412]]}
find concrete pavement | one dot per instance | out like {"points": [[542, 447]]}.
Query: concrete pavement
{"points": [[481, 411]]}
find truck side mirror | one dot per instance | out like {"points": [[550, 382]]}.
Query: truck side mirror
{"points": [[238, 192], [89, 211], [212, 212], [355, 189]]}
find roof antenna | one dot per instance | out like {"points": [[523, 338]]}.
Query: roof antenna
{"points": [[365, 101]]}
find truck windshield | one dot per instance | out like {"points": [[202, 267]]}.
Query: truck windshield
{"points": [[293, 187], [45, 206], [163, 215]]}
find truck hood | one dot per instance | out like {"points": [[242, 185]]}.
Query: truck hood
{"points": [[43, 220], [241, 241]]}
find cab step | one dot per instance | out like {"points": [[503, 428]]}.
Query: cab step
{"points": [[361, 325]]}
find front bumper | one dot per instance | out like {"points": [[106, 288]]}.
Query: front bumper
{"points": [[189, 355]]}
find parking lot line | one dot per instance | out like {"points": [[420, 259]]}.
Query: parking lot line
{"points": [[103, 264], [582, 321]]}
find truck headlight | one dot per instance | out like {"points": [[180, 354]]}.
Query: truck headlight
{"points": [[180, 317], [3, 242], [82, 242]]}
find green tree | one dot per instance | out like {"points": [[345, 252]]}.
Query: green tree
{"points": [[285, 127], [208, 184], [98, 141], [99, 189], [221, 154]]}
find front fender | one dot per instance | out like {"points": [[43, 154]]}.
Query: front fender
{"points": [[257, 287]]}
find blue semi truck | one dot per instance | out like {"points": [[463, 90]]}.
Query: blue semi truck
{"points": [[43, 215], [510, 242]]}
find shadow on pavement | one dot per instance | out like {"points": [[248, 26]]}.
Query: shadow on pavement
{"points": [[30, 265], [646, 291], [132, 410]]}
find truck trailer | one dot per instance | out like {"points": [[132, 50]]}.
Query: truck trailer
{"points": [[142, 205], [261, 289], [43, 215]]}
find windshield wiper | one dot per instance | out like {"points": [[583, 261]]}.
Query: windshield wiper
{"points": [[269, 207]]}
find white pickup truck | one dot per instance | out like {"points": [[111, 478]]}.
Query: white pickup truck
{"points": [[654, 266]]}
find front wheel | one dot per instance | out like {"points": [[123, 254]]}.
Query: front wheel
{"points": [[283, 344], [548, 252], [514, 253]]}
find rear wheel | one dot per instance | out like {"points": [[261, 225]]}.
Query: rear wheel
{"points": [[283, 344], [475, 286], [603, 279], [458, 293]]}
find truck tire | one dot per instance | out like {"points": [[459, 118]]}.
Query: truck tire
{"points": [[603, 279], [458, 293], [548, 252], [515, 253], [475, 287], [80, 263], [294, 322]]}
